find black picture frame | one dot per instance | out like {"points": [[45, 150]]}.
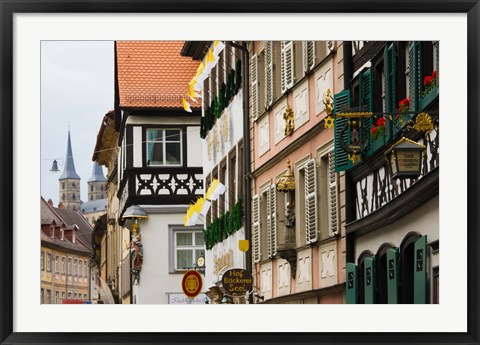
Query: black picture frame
{"points": [[7, 174]]}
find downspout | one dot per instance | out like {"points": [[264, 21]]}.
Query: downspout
{"points": [[246, 154], [349, 186]]}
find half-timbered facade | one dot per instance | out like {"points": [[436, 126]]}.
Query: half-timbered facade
{"points": [[160, 159], [392, 225]]}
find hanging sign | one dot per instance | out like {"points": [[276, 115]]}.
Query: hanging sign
{"points": [[237, 282], [192, 283]]}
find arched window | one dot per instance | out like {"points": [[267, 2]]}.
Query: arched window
{"points": [[382, 282], [74, 197], [91, 197], [73, 184], [361, 276], [101, 187], [407, 257]]}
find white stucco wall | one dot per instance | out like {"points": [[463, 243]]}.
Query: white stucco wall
{"points": [[424, 220], [155, 279], [229, 252], [234, 115]]}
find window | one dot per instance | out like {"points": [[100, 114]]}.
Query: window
{"points": [[85, 269], [42, 261], [63, 296], [164, 147], [256, 229], [57, 297], [75, 296], [222, 197], [232, 182], [57, 259], [41, 296], [328, 221], [69, 266], [84, 296], [69, 295], [307, 196], [75, 267], [74, 197], [52, 231], [63, 265], [49, 297], [272, 221], [49, 262], [188, 247]]}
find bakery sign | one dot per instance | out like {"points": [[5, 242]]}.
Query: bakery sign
{"points": [[237, 282]]}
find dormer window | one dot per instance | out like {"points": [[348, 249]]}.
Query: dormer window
{"points": [[52, 231], [164, 147], [62, 234]]}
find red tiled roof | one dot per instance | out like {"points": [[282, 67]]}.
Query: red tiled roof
{"points": [[153, 74]]}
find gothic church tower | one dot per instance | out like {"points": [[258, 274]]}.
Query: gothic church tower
{"points": [[97, 184], [69, 191]]}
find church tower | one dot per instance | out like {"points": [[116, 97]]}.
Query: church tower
{"points": [[69, 191], [97, 184]]}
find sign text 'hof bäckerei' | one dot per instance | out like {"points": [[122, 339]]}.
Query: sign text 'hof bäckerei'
{"points": [[237, 282]]}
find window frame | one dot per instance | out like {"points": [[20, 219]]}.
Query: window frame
{"points": [[173, 231], [49, 262], [164, 146]]}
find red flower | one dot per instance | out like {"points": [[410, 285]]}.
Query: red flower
{"points": [[434, 74], [374, 129], [404, 102], [380, 121], [428, 80]]}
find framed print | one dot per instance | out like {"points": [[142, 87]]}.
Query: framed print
{"points": [[279, 158]]}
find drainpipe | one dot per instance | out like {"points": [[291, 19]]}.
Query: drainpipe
{"points": [[347, 77], [246, 154]]}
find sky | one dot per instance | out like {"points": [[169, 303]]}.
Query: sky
{"points": [[77, 90]]}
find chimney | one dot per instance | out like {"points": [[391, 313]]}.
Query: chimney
{"points": [[60, 205], [50, 202]]}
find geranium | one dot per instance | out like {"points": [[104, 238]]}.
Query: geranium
{"points": [[403, 106], [429, 82], [378, 129]]}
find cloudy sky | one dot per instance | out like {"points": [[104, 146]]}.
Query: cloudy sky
{"points": [[77, 90]]}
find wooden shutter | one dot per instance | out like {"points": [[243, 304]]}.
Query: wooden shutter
{"points": [[369, 279], [392, 275], [311, 214], [309, 55], [287, 65], [351, 284], [332, 196], [269, 73], [420, 291], [255, 229], [272, 221], [254, 81], [341, 157], [416, 82], [390, 68], [366, 99]]}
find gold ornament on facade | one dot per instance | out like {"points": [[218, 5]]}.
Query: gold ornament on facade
{"points": [[289, 118], [286, 182], [354, 157], [423, 123], [329, 122], [328, 102]]}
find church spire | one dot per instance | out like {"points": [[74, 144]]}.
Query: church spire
{"points": [[97, 174], [69, 169]]}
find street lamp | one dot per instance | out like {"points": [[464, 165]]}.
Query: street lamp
{"points": [[405, 158], [134, 213]]}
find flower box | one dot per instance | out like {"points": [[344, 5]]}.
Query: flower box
{"points": [[428, 98]]}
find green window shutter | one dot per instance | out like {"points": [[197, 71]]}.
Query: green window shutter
{"points": [[392, 275], [366, 99], [420, 291], [369, 279], [415, 65], [351, 284], [341, 157], [390, 66]]}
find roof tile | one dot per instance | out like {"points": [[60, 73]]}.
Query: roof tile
{"points": [[153, 74]]}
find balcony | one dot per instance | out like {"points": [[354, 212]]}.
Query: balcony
{"points": [[159, 186]]}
